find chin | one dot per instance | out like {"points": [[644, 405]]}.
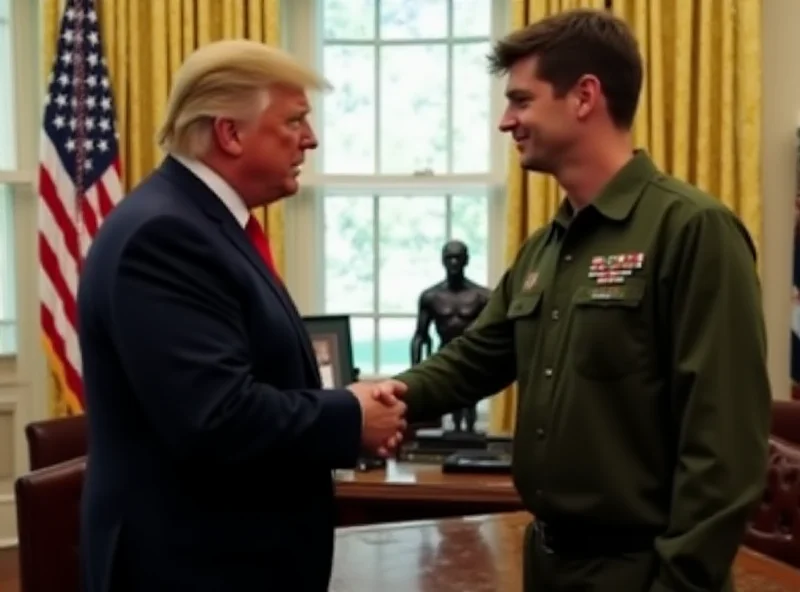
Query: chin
{"points": [[534, 164]]}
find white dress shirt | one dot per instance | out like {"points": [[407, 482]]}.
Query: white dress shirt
{"points": [[219, 187]]}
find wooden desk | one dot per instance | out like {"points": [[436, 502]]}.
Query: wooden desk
{"points": [[406, 491], [478, 554]]}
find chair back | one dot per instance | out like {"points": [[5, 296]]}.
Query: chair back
{"points": [[786, 421], [48, 527], [774, 528], [52, 441]]}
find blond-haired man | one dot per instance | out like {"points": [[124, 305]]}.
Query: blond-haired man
{"points": [[212, 441]]}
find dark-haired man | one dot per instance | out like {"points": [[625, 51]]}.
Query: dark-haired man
{"points": [[633, 325]]}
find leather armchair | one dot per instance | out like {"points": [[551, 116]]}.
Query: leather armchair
{"points": [[48, 519], [786, 421], [774, 529], [52, 441]]}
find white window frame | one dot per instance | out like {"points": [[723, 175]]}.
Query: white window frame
{"points": [[27, 85], [304, 234]]}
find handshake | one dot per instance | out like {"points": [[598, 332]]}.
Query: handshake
{"points": [[383, 414]]}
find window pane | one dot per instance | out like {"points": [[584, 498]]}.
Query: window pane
{"points": [[411, 234], [401, 19], [470, 224], [413, 123], [8, 312], [348, 19], [471, 108], [472, 18], [348, 257], [362, 332], [349, 111], [8, 148], [394, 346]]}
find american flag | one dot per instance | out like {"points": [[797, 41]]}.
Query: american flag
{"points": [[79, 184]]}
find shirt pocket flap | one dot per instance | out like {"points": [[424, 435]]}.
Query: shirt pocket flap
{"points": [[627, 295], [525, 305]]}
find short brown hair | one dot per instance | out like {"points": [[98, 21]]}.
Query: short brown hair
{"points": [[573, 43]]}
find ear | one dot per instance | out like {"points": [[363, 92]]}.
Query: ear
{"points": [[587, 94], [228, 136]]}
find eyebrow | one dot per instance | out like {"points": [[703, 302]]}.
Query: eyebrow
{"points": [[516, 94]]}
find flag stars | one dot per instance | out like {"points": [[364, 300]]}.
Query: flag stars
{"points": [[59, 122]]}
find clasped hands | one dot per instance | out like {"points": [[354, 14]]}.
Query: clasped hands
{"points": [[383, 414]]}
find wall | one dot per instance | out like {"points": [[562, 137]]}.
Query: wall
{"points": [[781, 108]]}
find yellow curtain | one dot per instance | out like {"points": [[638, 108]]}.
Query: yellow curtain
{"points": [[700, 110], [144, 42], [699, 115]]}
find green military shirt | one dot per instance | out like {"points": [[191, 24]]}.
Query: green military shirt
{"points": [[635, 331]]}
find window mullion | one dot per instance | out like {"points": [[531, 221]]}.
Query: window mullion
{"points": [[377, 86], [448, 216], [449, 87], [376, 280]]}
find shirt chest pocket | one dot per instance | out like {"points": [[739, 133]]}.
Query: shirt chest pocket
{"points": [[524, 312], [609, 338]]}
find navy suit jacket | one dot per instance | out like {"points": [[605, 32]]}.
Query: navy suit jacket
{"points": [[211, 442]]}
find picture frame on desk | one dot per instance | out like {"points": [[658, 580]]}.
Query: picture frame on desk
{"points": [[333, 348]]}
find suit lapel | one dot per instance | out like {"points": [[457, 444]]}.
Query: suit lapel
{"points": [[213, 207], [238, 237]]}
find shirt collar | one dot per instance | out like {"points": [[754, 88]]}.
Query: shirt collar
{"points": [[219, 186], [620, 194]]}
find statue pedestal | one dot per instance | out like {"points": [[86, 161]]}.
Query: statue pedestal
{"points": [[468, 439]]}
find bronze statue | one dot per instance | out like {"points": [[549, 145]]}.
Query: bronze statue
{"points": [[452, 305]]}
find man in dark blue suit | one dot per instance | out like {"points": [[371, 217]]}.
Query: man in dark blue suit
{"points": [[211, 440]]}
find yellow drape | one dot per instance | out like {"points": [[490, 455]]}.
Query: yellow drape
{"points": [[700, 110], [144, 42], [699, 115]]}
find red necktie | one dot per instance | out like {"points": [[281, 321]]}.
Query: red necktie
{"points": [[256, 235]]}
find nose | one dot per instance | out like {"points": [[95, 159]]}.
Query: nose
{"points": [[309, 141], [507, 122]]}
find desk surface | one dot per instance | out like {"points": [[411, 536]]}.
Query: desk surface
{"points": [[478, 554], [412, 481]]}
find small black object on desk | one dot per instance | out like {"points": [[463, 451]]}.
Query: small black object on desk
{"points": [[477, 461]]}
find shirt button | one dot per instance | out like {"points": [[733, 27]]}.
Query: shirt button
{"points": [[554, 314], [540, 433], [567, 258], [548, 372]]}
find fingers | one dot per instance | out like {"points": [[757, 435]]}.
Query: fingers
{"points": [[390, 445], [388, 391]]}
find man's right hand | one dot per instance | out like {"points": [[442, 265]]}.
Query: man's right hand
{"points": [[383, 419]]}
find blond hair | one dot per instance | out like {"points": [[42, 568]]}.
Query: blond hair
{"points": [[229, 78]]}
